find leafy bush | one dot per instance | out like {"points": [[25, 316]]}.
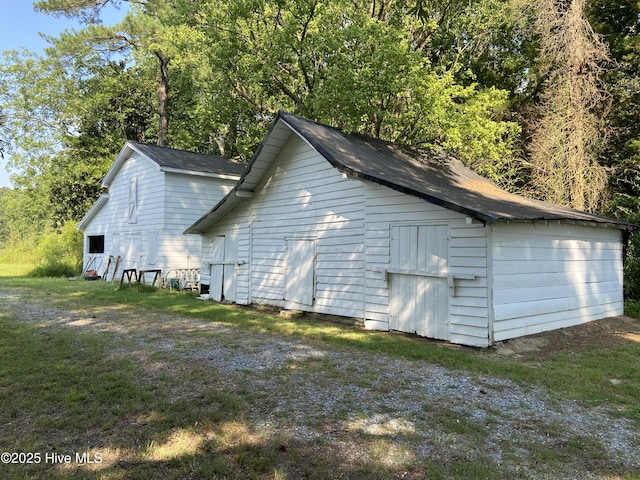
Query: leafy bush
{"points": [[627, 208], [59, 253]]}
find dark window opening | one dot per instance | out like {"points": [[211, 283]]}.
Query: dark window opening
{"points": [[96, 244]]}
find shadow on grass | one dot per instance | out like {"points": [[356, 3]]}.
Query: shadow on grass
{"points": [[90, 413], [137, 414]]}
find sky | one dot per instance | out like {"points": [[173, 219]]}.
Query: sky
{"points": [[20, 26]]}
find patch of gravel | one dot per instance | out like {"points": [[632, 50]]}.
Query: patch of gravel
{"points": [[322, 394]]}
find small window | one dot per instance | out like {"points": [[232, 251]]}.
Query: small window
{"points": [[96, 244]]}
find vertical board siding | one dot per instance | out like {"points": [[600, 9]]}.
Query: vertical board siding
{"points": [[419, 294], [235, 229], [549, 276], [468, 309], [300, 271]]}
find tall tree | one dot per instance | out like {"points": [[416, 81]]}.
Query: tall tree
{"points": [[142, 30], [351, 64], [66, 121], [568, 131], [483, 41], [618, 21], [36, 95], [116, 107]]}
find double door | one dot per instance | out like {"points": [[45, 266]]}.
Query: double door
{"points": [[222, 269], [418, 278]]}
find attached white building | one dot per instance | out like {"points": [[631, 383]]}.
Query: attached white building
{"points": [[403, 239], [154, 193]]}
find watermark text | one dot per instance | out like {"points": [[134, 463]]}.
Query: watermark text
{"points": [[52, 458]]}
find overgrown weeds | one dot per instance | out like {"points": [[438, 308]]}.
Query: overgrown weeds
{"points": [[52, 254]]}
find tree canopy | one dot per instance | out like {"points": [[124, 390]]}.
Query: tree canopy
{"points": [[487, 80]]}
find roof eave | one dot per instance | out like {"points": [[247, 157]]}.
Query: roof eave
{"points": [[210, 218], [117, 164], [221, 176], [482, 217], [93, 211], [595, 222]]}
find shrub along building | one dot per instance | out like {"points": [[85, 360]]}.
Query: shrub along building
{"points": [[154, 193], [403, 239]]}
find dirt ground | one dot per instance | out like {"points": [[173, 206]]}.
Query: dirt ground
{"points": [[253, 404], [605, 333]]}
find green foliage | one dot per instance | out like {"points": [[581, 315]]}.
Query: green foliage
{"points": [[23, 215], [59, 254], [619, 23], [627, 208], [339, 63], [464, 75]]}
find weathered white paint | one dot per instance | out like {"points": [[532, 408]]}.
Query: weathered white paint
{"points": [[311, 238], [300, 276], [349, 223], [220, 267], [216, 268], [418, 278], [549, 276], [468, 309], [301, 205], [302, 196], [145, 213]]}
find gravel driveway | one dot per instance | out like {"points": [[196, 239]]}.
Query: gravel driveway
{"points": [[324, 396]]}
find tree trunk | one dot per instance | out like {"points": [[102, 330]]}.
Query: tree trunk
{"points": [[163, 101]]}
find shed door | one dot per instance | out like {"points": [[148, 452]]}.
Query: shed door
{"points": [[299, 281], [131, 253], [419, 301], [229, 269], [223, 269], [216, 268]]}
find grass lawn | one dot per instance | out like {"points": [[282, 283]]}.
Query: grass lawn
{"points": [[70, 389]]}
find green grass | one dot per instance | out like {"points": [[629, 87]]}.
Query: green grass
{"points": [[11, 270], [62, 388], [61, 392], [608, 376]]}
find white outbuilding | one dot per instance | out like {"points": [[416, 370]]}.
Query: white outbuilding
{"points": [[403, 239], [154, 193]]}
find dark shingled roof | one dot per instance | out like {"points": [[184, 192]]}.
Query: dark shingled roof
{"points": [[431, 175], [182, 160]]}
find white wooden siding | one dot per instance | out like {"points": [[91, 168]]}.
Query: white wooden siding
{"points": [[221, 266], [515, 278], [114, 218], [418, 280], [166, 204], [216, 267], [468, 309], [185, 199], [549, 276], [303, 196], [188, 197], [300, 196], [235, 228], [300, 272]]}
